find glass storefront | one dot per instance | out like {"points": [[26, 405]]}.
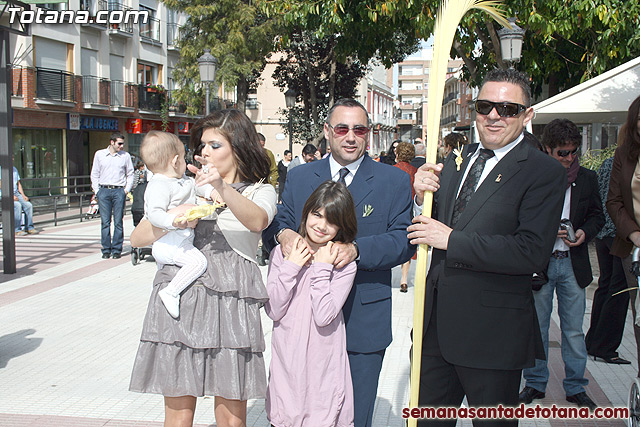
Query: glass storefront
{"points": [[38, 153]]}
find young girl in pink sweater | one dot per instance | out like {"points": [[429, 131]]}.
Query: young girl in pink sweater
{"points": [[309, 376]]}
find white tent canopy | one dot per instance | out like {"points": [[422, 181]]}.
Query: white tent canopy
{"points": [[602, 99]]}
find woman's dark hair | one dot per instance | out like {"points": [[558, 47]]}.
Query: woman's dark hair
{"points": [[251, 159], [629, 138], [339, 210]]}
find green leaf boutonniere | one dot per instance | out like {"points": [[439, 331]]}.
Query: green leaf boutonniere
{"points": [[367, 210]]}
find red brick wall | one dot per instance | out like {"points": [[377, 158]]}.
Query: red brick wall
{"points": [[39, 119]]}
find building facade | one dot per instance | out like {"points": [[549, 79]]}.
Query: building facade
{"points": [[75, 84], [456, 105], [413, 93]]}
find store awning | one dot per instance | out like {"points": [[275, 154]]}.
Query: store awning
{"points": [[602, 99]]}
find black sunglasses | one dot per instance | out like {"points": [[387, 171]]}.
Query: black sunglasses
{"points": [[504, 109], [342, 130], [565, 153]]}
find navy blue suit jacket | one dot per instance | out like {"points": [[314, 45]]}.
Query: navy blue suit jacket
{"points": [[381, 239]]}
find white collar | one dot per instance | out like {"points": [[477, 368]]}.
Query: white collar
{"points": [[502, 151], [335, 166]]}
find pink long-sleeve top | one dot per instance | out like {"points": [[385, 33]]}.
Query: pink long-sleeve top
{"points": [[309, 377]]}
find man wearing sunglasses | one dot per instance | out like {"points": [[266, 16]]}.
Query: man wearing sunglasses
{"points": [[382, 197], [111, 180], [496, 216], [569, 268]]}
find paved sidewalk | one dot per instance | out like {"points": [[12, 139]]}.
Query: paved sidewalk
{"points": [[69, 329]]}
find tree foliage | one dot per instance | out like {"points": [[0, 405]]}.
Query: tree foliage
{"points": [[239, 35], [567, 41], [309, 67]]}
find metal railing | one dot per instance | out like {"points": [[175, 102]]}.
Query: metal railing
{"points": [[127, 26], [55, 84], [450, 97], [150, 99], [174, 105], [95, 90], [93, 7], [449, 119], [122, 94], [62, 193], [173, 34], [151, 29]]}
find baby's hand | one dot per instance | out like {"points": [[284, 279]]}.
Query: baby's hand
{"points": [[299, 254], [327, 254], [180, 221]]}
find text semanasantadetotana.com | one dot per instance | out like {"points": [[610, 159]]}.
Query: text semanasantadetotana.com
{"points": [[519, 412]]}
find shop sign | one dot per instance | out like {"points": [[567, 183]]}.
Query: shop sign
{"points": [[133, 126], [99, 123], [145, 126], [73, 121], [184, 127]]}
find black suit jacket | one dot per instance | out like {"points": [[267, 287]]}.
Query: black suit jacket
{"points": [[417, 162], [485, 311], [585, 213]]}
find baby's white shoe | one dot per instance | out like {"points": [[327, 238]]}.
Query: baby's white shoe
{"points": [[171, 303]]}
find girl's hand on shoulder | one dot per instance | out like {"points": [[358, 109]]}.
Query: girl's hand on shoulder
{"points": [[327, 254], [300, 253]]}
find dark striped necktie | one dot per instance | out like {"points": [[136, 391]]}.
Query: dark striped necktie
{"points": [[470, 184]]}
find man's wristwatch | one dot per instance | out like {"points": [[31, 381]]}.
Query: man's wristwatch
{"points": [[357, 250], [278, 235]]}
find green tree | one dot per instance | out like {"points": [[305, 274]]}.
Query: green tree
{"points": [[331, 51], [239, 35], [566, 41], [310, 68]]}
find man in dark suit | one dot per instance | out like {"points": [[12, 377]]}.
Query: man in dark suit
{"points": [[569, 268], [495, 222], [419, 159], [382, 196]]}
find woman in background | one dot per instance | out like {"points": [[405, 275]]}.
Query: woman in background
{"points": [[623, 201]]}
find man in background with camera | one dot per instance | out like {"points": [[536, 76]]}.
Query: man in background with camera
{"points": [[569, 270]]}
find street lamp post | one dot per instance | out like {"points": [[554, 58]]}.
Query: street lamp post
{"points": [[511, 42], [290, 101], [208, 64]]}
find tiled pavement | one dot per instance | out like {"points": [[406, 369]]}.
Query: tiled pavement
{"points": [[69, 329]]}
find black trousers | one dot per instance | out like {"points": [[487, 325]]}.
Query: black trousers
{"points": [[608, 312], [444, 384]]}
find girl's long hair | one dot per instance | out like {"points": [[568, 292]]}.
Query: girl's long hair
{"points": [[339, 210], [629, 138]]}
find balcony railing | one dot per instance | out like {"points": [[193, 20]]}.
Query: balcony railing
{"points": [[95, 90], [151, 99], [55, 84], [450, 97], [122, 94], [93, 7], [173, 35], [150, 30], [216, 104], [127, 26], [449, 119], [174, 105]]}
